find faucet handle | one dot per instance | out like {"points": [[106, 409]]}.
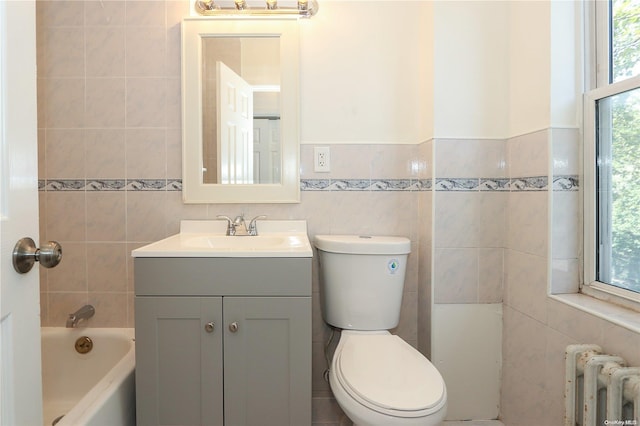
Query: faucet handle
{"points": [[231, 227], [253, 228]]}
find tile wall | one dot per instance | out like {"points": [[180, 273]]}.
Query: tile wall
{"points": [[537, 329], [110, 167]]}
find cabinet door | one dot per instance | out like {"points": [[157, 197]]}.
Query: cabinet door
{"points": [[267, 361], [178, 361]]}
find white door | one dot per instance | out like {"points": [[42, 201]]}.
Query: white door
{"points": [[235, 126], [20, 370], [266, 150]]}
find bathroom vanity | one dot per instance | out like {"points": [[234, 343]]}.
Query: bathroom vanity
{"points": [[223, 327]]}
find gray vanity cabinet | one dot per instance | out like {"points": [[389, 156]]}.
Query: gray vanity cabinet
{"points": [[234, 352]]}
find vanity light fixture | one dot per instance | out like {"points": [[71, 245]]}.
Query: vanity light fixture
{"points": [[301, 8]]}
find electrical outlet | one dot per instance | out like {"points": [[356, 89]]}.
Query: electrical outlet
{"points": [[321, 159]]}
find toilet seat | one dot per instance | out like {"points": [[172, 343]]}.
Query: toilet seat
{"points": [[387, 375]]}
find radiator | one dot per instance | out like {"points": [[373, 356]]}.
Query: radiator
{"points": [[600, 389]]}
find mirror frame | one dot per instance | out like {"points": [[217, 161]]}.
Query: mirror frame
{"points": [[193, 188]]}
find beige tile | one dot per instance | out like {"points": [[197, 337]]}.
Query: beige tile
{"points": [[145, 13], [146, 51], [42, 101], [146, 218], [145, 102], [105, 153], [111, 309], [174, 153], [66, 215], [458, 158], [71, 274], [392, 161], [490, 275], [566, 221], [105, 47], [65, 154], [527, 154], [106, 216], [60, 13], [491, 218], [527, 221], [455, 216], [566, 151], [174, 40], [105, 102], [65, 102], [350, 161], [526, 283], [174, 103], [107, 267], [575, 323], [104, 13], [146, 154], [455, 277], [64, 52]]}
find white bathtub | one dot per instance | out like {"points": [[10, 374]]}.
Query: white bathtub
{"points": [[96, 388]]}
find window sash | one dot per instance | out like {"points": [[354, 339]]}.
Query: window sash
{"points": [[591, 232]]}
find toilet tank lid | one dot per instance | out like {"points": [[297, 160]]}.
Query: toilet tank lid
{"points": [[363, 244]]}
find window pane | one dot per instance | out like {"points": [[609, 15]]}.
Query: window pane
{"points": [[625, 43], [618, 197]]}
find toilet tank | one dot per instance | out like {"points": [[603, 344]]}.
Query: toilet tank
{"points": [[361, 280]]}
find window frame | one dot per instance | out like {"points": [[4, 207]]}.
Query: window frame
{"points": [[597, 71]]}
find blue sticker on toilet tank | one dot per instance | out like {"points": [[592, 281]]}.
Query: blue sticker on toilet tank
{"points": [[393, 266]]}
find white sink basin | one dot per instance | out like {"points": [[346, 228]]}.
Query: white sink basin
{"points": [[260, 242], [208, 239]]}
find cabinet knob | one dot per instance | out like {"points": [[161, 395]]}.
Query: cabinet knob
{"points": [[209, 327], [233, 327]]}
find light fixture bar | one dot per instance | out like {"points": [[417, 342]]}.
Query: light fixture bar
{"points": [[304, 9]]}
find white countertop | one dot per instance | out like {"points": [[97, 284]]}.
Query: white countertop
{"points": [[207, 238]]}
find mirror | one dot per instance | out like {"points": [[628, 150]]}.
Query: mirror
{"points": [[240, 111]]}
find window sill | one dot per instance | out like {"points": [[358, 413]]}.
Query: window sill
{"points": [[608, 311]]}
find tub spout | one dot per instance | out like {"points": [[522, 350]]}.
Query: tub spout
{"points": [[84, 313]]}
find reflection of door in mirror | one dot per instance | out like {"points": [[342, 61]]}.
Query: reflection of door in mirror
{"points": [[256, 60], [266, 150], [235, 127]]}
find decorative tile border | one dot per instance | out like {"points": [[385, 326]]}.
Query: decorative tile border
{"points": [[456, 184], [365, 184], [51, 185], [566, 183], [531, 183]]}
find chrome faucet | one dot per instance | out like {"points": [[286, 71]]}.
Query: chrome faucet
{"points": [[238, 226], [84, 313]]}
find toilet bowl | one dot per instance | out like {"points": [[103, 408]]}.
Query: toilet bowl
{"points": [[377, 378], [380, 380]]}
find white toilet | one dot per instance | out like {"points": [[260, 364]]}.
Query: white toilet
{"points": [[377, 378]]}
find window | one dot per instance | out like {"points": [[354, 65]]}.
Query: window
{"points": [[612, 153]]}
